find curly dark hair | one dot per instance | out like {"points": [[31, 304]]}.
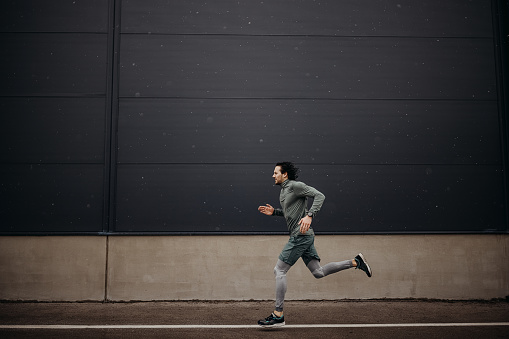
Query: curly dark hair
{"points": [[289, 167]]}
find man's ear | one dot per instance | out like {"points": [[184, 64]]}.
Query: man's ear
{"points": [[285, 175]]}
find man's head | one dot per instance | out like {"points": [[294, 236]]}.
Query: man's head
{"points": [[283, 171]]}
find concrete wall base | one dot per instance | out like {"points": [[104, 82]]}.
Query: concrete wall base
{"points": [[125, 268], [52, 268]]}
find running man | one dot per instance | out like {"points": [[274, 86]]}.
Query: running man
{"points": [[293, 200]]}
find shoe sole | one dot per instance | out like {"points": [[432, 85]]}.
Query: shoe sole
{"points": [[271, 326], [366, 263]]}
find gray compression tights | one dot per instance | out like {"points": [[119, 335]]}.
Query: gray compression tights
{"points": [[315, 269]]}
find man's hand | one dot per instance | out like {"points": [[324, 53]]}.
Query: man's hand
{"points": [[305, 223], [267, 209]]}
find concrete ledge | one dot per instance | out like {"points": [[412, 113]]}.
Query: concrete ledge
{"points": [[240, 268], [72, 268], [52, 268]]}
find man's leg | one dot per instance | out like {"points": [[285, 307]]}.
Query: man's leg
{"points": [[319, 271], [280, 273], [292, 251], [277, 318], [312, 261]]}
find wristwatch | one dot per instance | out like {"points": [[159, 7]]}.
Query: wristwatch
{"points": [[310, 214]]}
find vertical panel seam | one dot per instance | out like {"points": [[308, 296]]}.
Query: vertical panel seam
{"points": [[106, 269], [500, 76]]}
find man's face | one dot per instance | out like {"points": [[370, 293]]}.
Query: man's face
{"points": [[279, 177]]}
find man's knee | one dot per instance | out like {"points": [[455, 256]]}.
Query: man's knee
{"points": [[281, 269], [279, 272], [315, 268], [318, 273]]}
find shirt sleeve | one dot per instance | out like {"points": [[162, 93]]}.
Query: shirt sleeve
{"points": [[301, 189], [278, 212]]}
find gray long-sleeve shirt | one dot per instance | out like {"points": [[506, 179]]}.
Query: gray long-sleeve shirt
{"points": [[293, 198]]}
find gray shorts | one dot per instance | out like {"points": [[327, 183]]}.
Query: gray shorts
{"points": [[299, 247]]}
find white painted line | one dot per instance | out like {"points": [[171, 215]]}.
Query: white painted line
{"points": [[72, 327]]}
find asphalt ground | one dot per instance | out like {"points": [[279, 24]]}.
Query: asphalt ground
{"points": [[304, 319]]}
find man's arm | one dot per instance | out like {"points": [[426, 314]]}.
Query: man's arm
{"points": [[269, 210], [318, 198]]}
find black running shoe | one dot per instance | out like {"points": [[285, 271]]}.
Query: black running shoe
{"points": [[272, 321], [362, 264]]}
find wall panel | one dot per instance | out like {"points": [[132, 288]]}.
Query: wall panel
{"points": [[310, 131], [306, 67], [364, 198], [60, 130], [54, 16], [53, 64], [48, 198], [307, 17]]}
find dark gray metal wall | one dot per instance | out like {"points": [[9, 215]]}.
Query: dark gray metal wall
{"points": [[53, 66], [173, 121]]}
